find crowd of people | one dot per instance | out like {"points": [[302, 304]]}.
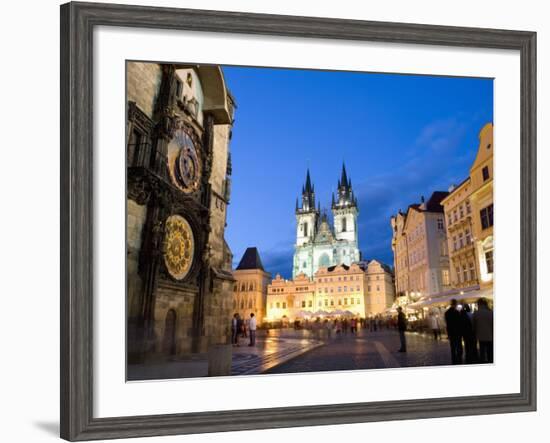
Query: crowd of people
{"points": [[470, 333]]}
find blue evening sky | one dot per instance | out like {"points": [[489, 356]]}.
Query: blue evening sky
{"points": [[400, 136]]}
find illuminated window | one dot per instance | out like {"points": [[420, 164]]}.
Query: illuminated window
{"points": [[278, 305], [345, 301], [284, 305], [310, 303]]}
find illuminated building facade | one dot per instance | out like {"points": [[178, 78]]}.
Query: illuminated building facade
{"points": [[318, 243], [250, 288]]}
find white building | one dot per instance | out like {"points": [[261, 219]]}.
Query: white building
{"points": [[318, 244]]}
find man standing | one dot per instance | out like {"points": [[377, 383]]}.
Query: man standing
{"points": [[252, 329], [454, 332], [483, 330], [402, 327], [235, 330]]}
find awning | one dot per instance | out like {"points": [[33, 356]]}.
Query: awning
{"points": [[445, 299]]}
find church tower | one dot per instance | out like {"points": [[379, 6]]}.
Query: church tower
{"points": [[345, 210], [306, 214], [307, 217]]}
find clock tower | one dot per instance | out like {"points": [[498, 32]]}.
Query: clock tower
{"points": [[179, 278]]}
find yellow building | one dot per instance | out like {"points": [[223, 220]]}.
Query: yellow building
{"points": [[287, 298], [400, 254], [460, 234], [340, 288], [481, 177], [380, 293], [250, 288], [361, 289]]}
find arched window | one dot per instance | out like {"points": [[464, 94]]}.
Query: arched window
{"points": [[243, 287]]}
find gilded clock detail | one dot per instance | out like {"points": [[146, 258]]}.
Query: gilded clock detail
{"points": [[179, 247]]}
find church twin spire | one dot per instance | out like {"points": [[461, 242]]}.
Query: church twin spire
{"points": [[345, 195]]}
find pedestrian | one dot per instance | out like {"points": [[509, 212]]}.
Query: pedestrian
{"points": [[402, 327], [454, 332], [468, 335], [240, 328], [345, 326], [433, 323], [235, 330], [252, 329], [353, 326], [483, 330]]}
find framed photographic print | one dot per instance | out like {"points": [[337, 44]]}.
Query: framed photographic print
{"points": [[274, 221]]}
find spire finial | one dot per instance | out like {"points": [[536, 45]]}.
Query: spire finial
{"points": [[344, 179]]}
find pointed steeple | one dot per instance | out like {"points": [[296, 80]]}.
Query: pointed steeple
{"points": [[308, 182], [344, 179], [308, 196], [345, 196]]}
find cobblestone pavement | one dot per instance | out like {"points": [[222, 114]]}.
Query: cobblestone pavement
{"points": [[271, 350], [369, 350]]}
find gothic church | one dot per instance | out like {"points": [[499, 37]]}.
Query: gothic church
{"points": [[318, 243]]}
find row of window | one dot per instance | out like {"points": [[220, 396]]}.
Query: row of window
{"points": [[466, 273], [325, 290], [326, 302], [418, 232], [345, 278], [243, 304], [459, 213], [244, 287], [461, 240]]}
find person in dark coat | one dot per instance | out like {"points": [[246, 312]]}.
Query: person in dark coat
{"points": [[468, 335], [483, 330], [454, 332], [402, 327]]}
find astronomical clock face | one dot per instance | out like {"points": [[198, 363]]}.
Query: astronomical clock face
{"points": [[184, 161], [179, 247]]}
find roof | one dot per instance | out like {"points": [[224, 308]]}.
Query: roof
{"points": [[434, 203], [250, 260]]}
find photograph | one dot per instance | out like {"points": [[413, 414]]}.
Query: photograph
{"points": [[286, 220]]}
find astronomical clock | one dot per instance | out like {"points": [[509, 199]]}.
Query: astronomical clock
{"points": [[179, 247], [184, 159]]}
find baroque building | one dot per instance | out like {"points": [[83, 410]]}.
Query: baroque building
{"points": [[469, 214], [420, 249], [179, 281], [250, 288], [362, 289], [318, 243]]}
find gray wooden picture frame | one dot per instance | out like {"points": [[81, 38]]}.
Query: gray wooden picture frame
{"points": [[77, 216]]}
